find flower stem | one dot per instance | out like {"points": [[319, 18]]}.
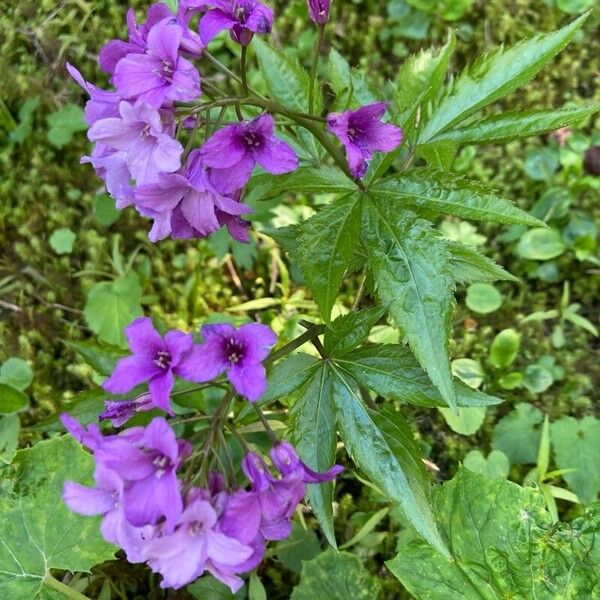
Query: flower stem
{"points": [[313, 70], [312, 332], [65, 590], [266, 425], [243, 70]]}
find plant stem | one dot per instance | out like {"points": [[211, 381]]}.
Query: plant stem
{"points": [[316, 342], [312, 332], [313, 70], [65, 590], [243, 70], [266, 425]]}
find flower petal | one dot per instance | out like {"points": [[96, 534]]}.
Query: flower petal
{"points": [[249, 381], [129, 372], [160, 387], [212, 23], [142, 337]]}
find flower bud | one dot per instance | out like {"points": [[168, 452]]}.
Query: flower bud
{"points": [[318, 10]]}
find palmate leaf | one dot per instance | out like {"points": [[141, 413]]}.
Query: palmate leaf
{"points": [[381, 445], [431, 192], [350, 87], [504, 544], [518, 124], [469, 266], [38, 532], [412, 276], [313, 433], [391, 371], [495, 75], [325, 246], [349, 331]]}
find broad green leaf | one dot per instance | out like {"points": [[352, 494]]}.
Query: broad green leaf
{"points": [[518, 434], [411, 273], [518, 124], [11, 399], [10, 427], [256, 590], [349, 331], [382, 446], [111, 306], [537, 378], [17, 373], [469, 371], [288, 375], [209, 588], [104, 210], [431, 193], [335, 576], [540, 244], [467, 421], [469, 266], [307, 180], [576, 445], [301, 545], [421, 75], [39, 533], [102, 359], [483, 298], [392, 371], [286, 79], [504, 545], [495, 465], [495, 75], [541, 164], [504, 348], [325, 246], [348, 83], [63, 123], [313, 432]]}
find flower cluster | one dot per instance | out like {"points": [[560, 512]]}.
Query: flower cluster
{"points": [[135, 127], [158, 360], [178, 529]]}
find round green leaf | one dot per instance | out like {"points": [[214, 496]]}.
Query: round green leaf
{"points": [[541, 164], [495, 465], [17, 373], [104, 210], [12, 400], [511, 380], [468, 420], [540, 244], [62, 241], [537, 379], [505, 348], [468, 371], [483, 298]]}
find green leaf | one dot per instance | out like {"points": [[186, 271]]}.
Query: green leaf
{"points": [[23, 130], [467, 421], [496, 464], [495, 75], [537, 379], [301, 545], [542, 163], [325, 246], [410, 266], [504, 348], [304, 180], [313, 432], [105, 210], [101, 358], [349, 331], [17, 373], [63, 123], [392, 371], [39, 533], [256, 590], [10, 427], [576, 445], [345, 81], [518, 434], [209, 588], [287, 81], [421, 75], [335, 576], [518, 124], [382, 446], [483, 298], [469, 371], [469, 266], [111, 306], [540, 244], [429, 192], [11, 399], [504, 545], [367, 528], [62, 241]]}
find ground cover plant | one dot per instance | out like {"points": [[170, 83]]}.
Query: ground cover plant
{"points": [[281, 328]]}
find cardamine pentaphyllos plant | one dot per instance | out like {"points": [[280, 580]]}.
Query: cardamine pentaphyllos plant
{"points": [[194, 158]]}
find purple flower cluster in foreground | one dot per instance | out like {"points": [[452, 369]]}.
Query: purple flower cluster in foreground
{"points": [[180, 530], [193, 193], [158, 360]]}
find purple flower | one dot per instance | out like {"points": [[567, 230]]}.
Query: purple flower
{"points": [[232, 152], [362, 133], [159, 76], [194, 547], [243, 18], [120, 412], [154, 359], [106, 499], [240, 352], [112, 52], [318, 10], [185, 205], [144, 139], [286, 460]]}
